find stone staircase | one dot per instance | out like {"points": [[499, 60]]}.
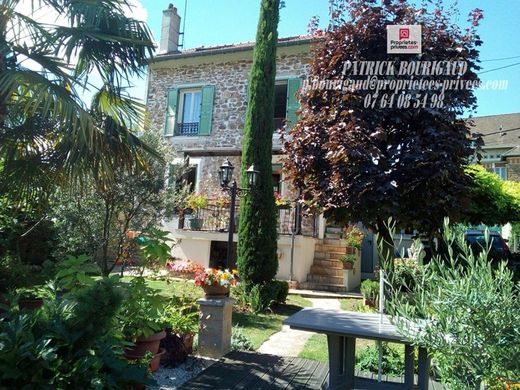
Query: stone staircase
{"points": [[326, 273]]}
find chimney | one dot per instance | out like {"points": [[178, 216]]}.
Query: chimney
{"points": [[171, 24]]}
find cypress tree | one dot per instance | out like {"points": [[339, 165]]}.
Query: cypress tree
{"points": [[257, 237]]}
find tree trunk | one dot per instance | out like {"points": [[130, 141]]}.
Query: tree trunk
{"points": [[257, 242]]}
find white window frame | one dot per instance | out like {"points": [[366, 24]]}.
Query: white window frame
{"points": [[182, 93], [497, 171]]}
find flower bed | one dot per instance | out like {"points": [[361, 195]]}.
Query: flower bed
{"points": [[186, 269]]}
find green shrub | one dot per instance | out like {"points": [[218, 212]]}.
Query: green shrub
{"points": [[468, 312], [405, 275], [392, 360], [239, 341], [263, 296], [240, 295], [370, 289], [67, 345]]}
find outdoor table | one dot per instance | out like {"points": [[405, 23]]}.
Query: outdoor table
{"points": [[342, 328]]}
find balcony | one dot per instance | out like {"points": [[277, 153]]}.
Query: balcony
{"points": [[215, 218], [190, 129]]}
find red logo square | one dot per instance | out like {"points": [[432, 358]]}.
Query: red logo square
{"points": [[404, 33]]}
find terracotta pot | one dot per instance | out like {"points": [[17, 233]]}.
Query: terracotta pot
{"points": [[145, 344], [215, 291], [348, 265], [369, 302], [156, 360], [187, 339]]}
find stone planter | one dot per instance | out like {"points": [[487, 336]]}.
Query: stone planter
{"points": [[215, 291], [196, 223]]}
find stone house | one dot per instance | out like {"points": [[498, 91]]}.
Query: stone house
{"points": [[501, 149], [198, 98]]}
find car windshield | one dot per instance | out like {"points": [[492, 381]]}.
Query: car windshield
{"points": [[496, 242]]}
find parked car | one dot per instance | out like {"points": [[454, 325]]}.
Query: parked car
{"points": [[498, 246]]}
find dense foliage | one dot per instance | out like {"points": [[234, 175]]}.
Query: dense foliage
{"points": [[492, 201], [47, 132], [465, 311], [257, 237], [68, 344], [370, 163]]}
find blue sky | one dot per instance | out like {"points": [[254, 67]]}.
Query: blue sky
{"points": [[213, 22]]}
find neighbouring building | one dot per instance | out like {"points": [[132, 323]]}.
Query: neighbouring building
{"points": [[501, 149]]}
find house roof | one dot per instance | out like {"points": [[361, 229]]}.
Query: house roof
{"points": [[230, 48], [498, 131]]}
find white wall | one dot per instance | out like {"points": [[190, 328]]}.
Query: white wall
{"points": [[196, 246]]}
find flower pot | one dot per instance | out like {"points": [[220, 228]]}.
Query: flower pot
{"points": [[145, 344], [348, 265], [196, 223], [369, 302], [156, 361], [187, 339], [215, 291]]}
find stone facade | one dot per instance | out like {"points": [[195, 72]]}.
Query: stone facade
{"points": [[229, 74]]}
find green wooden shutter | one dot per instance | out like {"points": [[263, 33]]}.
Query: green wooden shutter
{"points": [[292, 101], [206, 110], [170, 122]]}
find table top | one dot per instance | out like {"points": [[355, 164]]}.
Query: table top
{"points": [[345, 323]]}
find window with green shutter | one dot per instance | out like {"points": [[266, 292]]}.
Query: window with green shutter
{"points": [[293, 105], [189, 111]]}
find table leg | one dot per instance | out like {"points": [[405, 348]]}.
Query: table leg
{"points": [[342, 361], [409, 357], [424, 370]]}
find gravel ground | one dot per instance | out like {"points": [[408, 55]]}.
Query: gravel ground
{"points": [[173, 378]]}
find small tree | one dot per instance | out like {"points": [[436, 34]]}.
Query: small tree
{"points": [[370, 163], [96, 218], [257, 237]]}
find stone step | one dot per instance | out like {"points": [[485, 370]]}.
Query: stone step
{"points": [[325, 279], [323, 287], [335, 242], [330, 248], [328, 255], [330, 229], [326, 271], [333, 236], [327, 263]]}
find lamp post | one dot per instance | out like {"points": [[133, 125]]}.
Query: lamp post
{"points": [[225, 175]]}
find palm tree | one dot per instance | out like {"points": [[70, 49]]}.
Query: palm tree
{"points": [[48, 133]]}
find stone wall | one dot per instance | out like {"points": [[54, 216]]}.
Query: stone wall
{"points": [[230, 78]]}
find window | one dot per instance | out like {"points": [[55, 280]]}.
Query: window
{"points": [[499, 170], [280, 104], [277, 185], [286, 102], [189, 111]]}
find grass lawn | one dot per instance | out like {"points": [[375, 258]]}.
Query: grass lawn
{"points": [[259, 327]]}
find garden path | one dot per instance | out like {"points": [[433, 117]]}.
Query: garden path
{"points": [[290, 342]]}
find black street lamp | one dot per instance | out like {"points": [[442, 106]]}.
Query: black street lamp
{"points": [[225, 175]]}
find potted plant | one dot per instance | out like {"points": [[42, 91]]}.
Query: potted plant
{"points": [[216, 283], [348, 261], [281, 202], [140, 319], [353, 236], [370, 291], [196, 202], [183, 321]]}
